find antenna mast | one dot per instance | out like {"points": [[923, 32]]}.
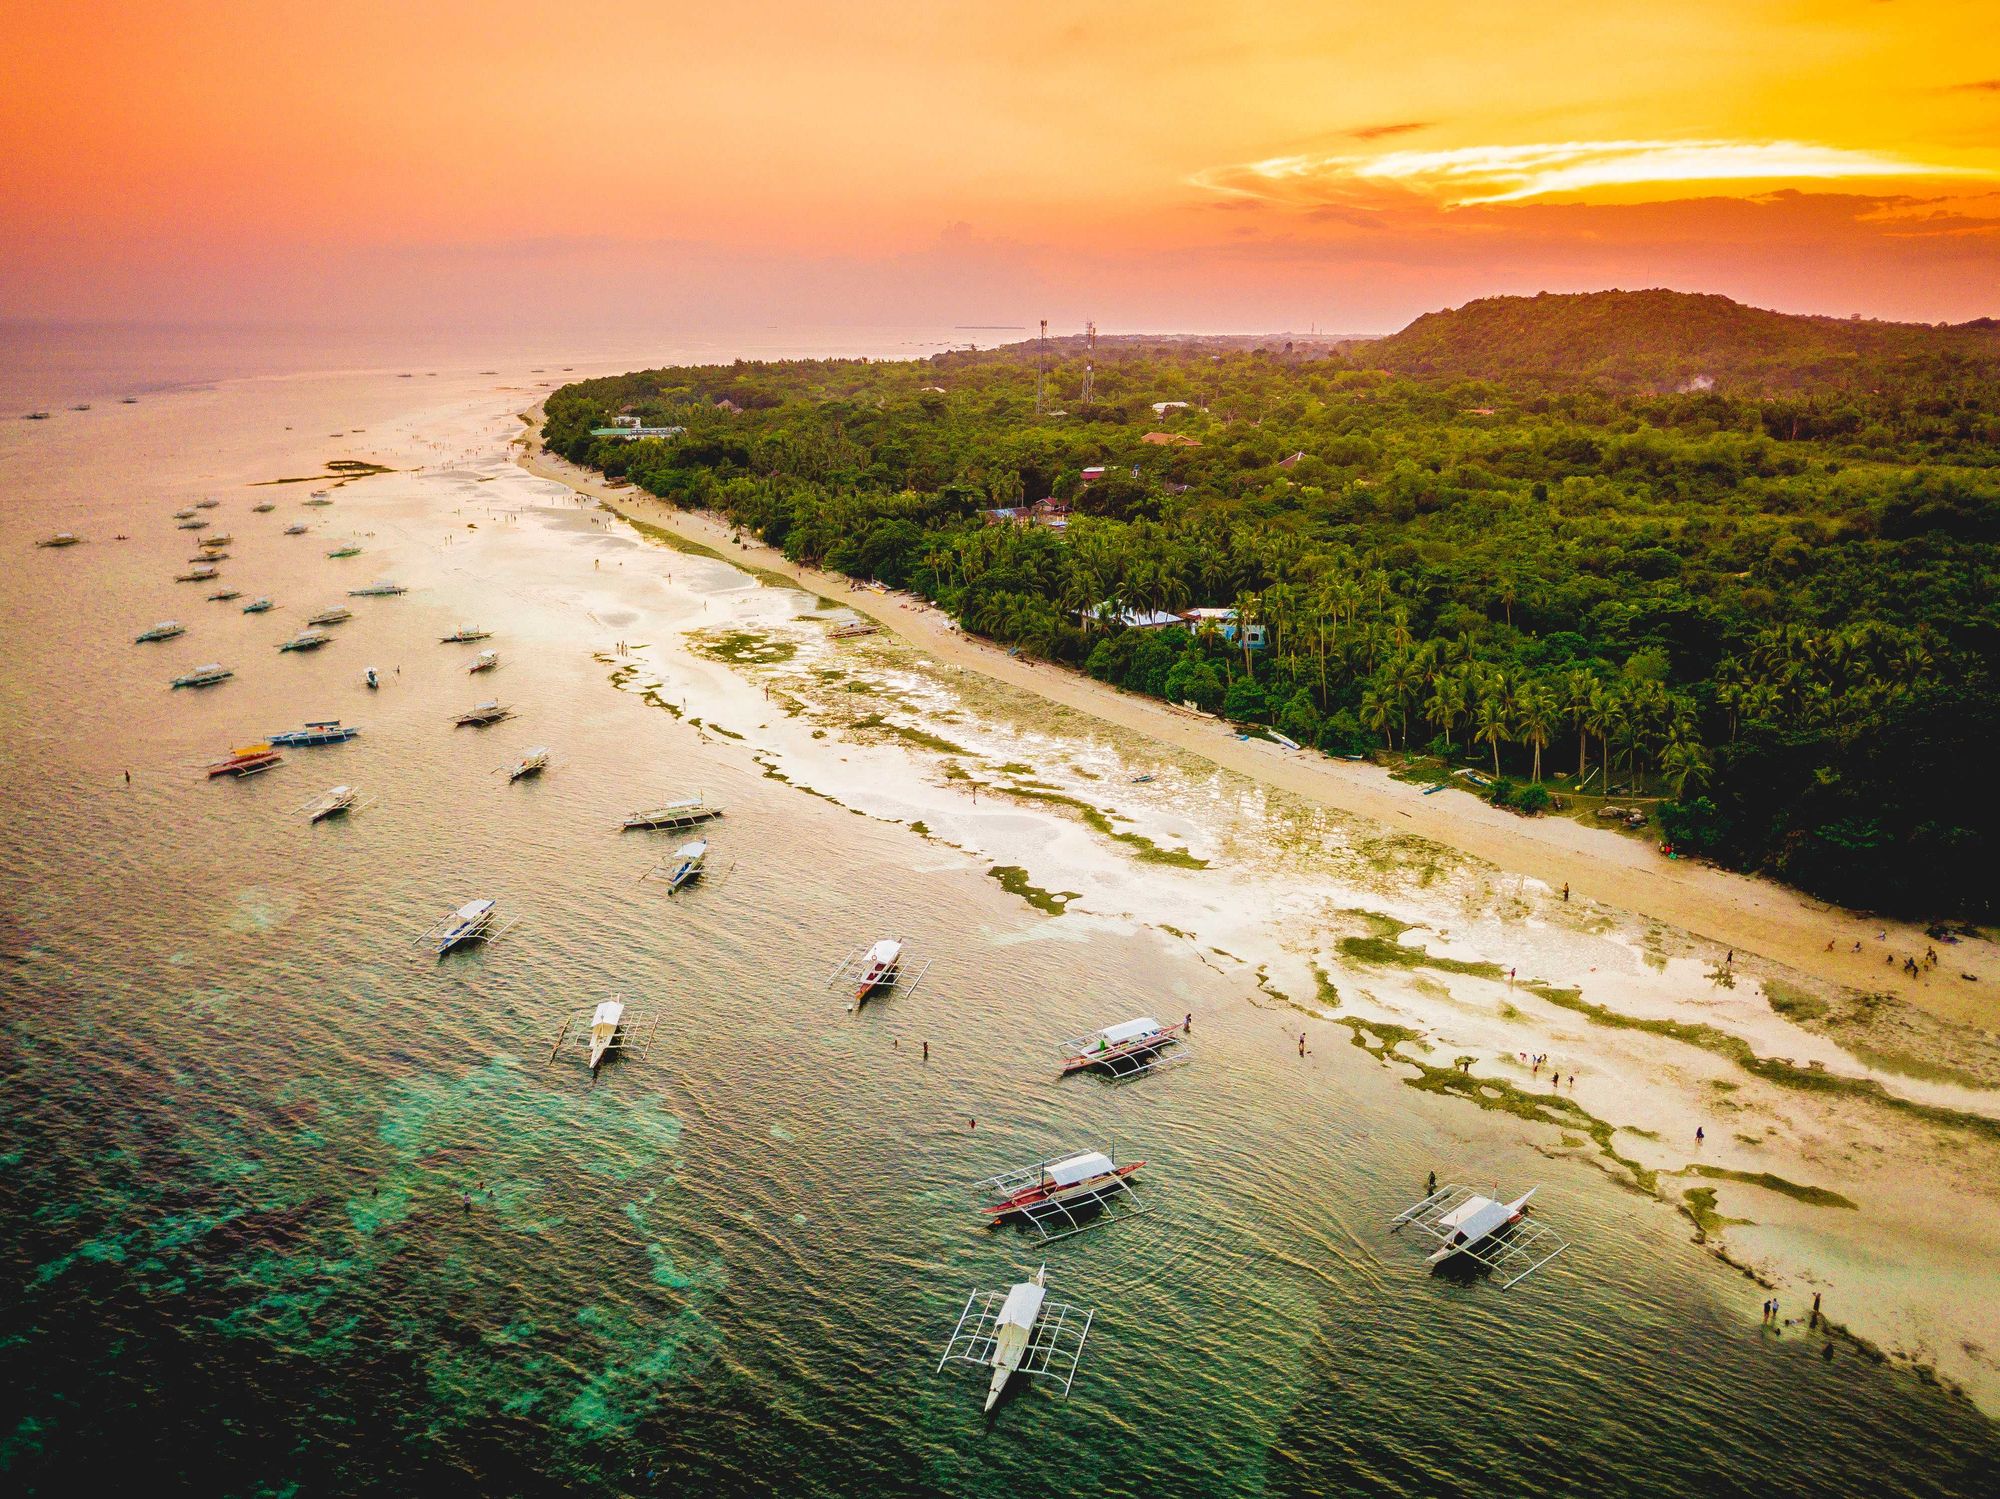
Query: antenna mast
{"points": [[1041, 366], [1089, 358]]}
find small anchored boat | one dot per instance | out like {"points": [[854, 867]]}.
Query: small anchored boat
{"points": [[604, 1023], [332, 802], [1012, 1326], [317, 731], [481, 714], [224, 595], [382, 588], [166, 629], [247, 761], [347, 550], [193, 525], [306, 640], [851, 629], [296, 528], [206, 504], [204, 676], [264, 507], [1123, 1050], [318, 497], [1088, 1175], [878, 969], [484, 661], [209, 557], [198, 574], [219, 539], [533, 763], [1488, 1233], [1020, 1331], [463, 636], [259, 605], [333, 616], [60, 539], [370, 678], [687, 862], [682, 814], [471, 922], [184, 514]]}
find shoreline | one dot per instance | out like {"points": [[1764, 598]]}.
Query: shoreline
{"points": [[1746, 913]]}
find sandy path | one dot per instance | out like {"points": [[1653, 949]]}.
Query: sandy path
{"points": [[1751, 915]]}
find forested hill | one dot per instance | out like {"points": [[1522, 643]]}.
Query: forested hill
{"points": [[1780, 612], [1665, 340]]}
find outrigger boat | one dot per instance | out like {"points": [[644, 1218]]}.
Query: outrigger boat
{"points": [[60, 539], [333, 616], [219, 539], [481, 714], [166, 629], [1059, 1184], [380, 589], [1019, 1331], [1125, 1050], [204, 676], [610, 1026], [471, 922], [306, 640], [317, 731], [184, 514], [881, 967], [851, 628], [193, 525], [531, 764], [198, 574], [878, 968], [604, 1023], [224, 595], [206, 504], [484, 661], [688, 860], [1485, 1232], [464, 636], [296, 528], [371, 679], [349, 549], [263, 507], [683, 814], [209, 557], [259, 605], [318, 497], [333, 802], [247, 761]]}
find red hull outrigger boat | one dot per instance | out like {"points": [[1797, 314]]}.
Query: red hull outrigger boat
{"points": [[1086, 1175]]}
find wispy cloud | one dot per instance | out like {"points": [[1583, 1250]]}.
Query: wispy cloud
{"points": [[1476, 175], [1377, 132]]}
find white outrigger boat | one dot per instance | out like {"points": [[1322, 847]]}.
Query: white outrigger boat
{"points": [[306, 640], [204, 676], [60, 539], [687, 862], [479, 715], [878, 969], [206, 504], [259, 605], [333, 802], [334, 616], [296, 528], [1019, 1331], [533, 763], [484, 661], [464, 635], [472, 922], [604, 1023], [1128, 1049], [1485, 1231], [187, 514], [219, 539], [166, 629], [1064, 1196], [264, 507], [381, 588], [681, 814], [610, 1026], [198, 574]]}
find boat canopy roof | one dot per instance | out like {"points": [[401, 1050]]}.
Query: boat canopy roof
{"points": [[609, 1012], [1079, 1168], [1130, 1030], [473, 909], [884, 950], [694, 850], [1022, 1306]]}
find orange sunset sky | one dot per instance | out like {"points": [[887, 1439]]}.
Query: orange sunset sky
{"points": [[1153, 165]]}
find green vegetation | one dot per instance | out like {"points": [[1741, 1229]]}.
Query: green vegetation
{"points": [[1819, 1197], [1644, 544], [1014, 880]]}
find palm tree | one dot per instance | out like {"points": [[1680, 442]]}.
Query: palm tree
{"points": [[1537, 720], [1489, 716], [1378, 712], [1577, 685], [1447, 702], [1685, 765]]}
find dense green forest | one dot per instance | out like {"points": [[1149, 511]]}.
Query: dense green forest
{"points": [[1667, 545]]}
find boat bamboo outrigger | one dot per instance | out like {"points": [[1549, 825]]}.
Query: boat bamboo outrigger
{"points": [[609, 1026], [1019, 1331], [687, 864], [246, 761], [484, 661], [479, 715], [260, 605], [345, 549], [264, 507], [475, 921], [533, 763], [296, 528], [878, 968], [219, 539], [851, 628], [338, 614], [381, 588], [682, 814], [1066, 1195], [206, 504], [204, 676], [463, 635], [317, 731], [1129, 1049], [1483, 1232], [306, 640], [198, 574], [224, 595], [209, 557], [187, 514], [60, 539], [335, 801], [194, 525], [166, 629]]}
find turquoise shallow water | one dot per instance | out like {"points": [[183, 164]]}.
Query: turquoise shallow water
{"points": [[289, 1207]]}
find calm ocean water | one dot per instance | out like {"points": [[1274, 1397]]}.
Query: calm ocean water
{"points": [[291, 1207]]}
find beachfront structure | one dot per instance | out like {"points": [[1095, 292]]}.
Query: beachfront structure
{"points": [[628, 429], [1161, 408], [1170, 440], [1108, 613], [1223, 623]]}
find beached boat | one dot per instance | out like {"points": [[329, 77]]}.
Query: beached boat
{"points": [[682, 814], [264, 507], [468, 923], [531, 764], [481, 714], [604, 1023], [166, 629], [204, 676], [295, 529], [306, 640], [260, 605], [463, 636], [484, 661], [198, 574], [347, 550], [224, 595], [381, 588], [206, 504], [336, 615], [331, 803], [316, 731], [1087, 1175], [688, 862], [60, 539], [1132, 1046], [247, 761], [851, 629]]}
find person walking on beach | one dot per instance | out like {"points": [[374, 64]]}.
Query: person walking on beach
{"points": [[1814, 1320], [1187, 1025], [1699, 1134], [927, 1051], [1565, 892], [1302, 1043]]}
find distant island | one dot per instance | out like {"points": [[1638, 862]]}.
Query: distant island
{"points": [[1632, 555]]}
